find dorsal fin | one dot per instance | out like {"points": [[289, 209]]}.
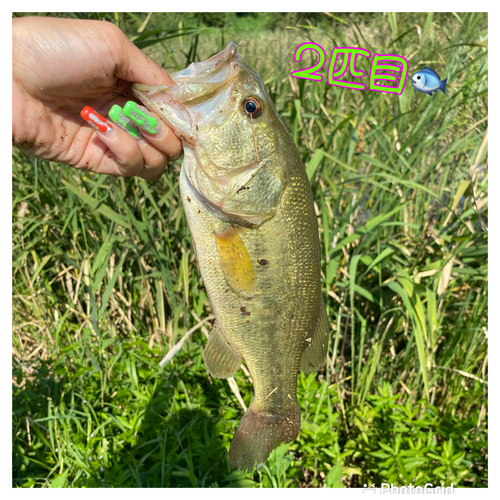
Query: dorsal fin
{"points": [[314, 355], [433, 72]]}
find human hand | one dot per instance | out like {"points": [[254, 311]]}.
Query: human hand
{"points": [[59, 66]]}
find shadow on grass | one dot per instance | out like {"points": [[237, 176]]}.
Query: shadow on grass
{"points": [[171, 430]]}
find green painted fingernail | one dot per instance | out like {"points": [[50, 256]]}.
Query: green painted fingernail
{"points": [[117, 116], [141, 117]]}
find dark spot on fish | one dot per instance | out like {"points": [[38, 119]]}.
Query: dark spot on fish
{"points": [[242, 188], [196, 127], [247, 321], [244, 311], [262, 262], [182, 137], [189, 199], [199, 211], [226, 290]]}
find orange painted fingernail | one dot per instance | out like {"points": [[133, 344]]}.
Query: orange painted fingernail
{"points": [[95, 120]]}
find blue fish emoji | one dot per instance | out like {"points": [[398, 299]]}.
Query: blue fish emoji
{"points": [[428, 81]]}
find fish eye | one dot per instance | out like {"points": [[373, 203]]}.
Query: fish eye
{"points": [[252, 107], [418, 77]]}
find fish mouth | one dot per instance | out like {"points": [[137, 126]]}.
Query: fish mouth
{"points": [[180, 106], [206, 71]]}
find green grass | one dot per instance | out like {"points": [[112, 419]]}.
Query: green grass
{"points": [[105, 283]]}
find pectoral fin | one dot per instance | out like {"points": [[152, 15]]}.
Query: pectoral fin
{"points": [[235, 262], [314, 356], [220, 358]]}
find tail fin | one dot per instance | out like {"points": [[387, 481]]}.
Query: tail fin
{"points": [[443, 85], [258, 434]]}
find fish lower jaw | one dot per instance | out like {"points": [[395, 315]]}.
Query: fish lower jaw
{"points": [[151, 90]]}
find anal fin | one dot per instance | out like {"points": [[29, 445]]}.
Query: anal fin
{"points": [[314, 355], [220, 358]]}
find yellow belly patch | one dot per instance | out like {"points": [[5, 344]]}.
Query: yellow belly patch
{"points": [[235, 262]]}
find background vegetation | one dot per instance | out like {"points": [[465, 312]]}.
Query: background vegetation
{"points": [[105, 281]]}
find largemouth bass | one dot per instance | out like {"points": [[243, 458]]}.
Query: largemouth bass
{"points": [[249, 207]]}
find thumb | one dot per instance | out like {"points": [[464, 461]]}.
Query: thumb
{"points": [[135, 66]]}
